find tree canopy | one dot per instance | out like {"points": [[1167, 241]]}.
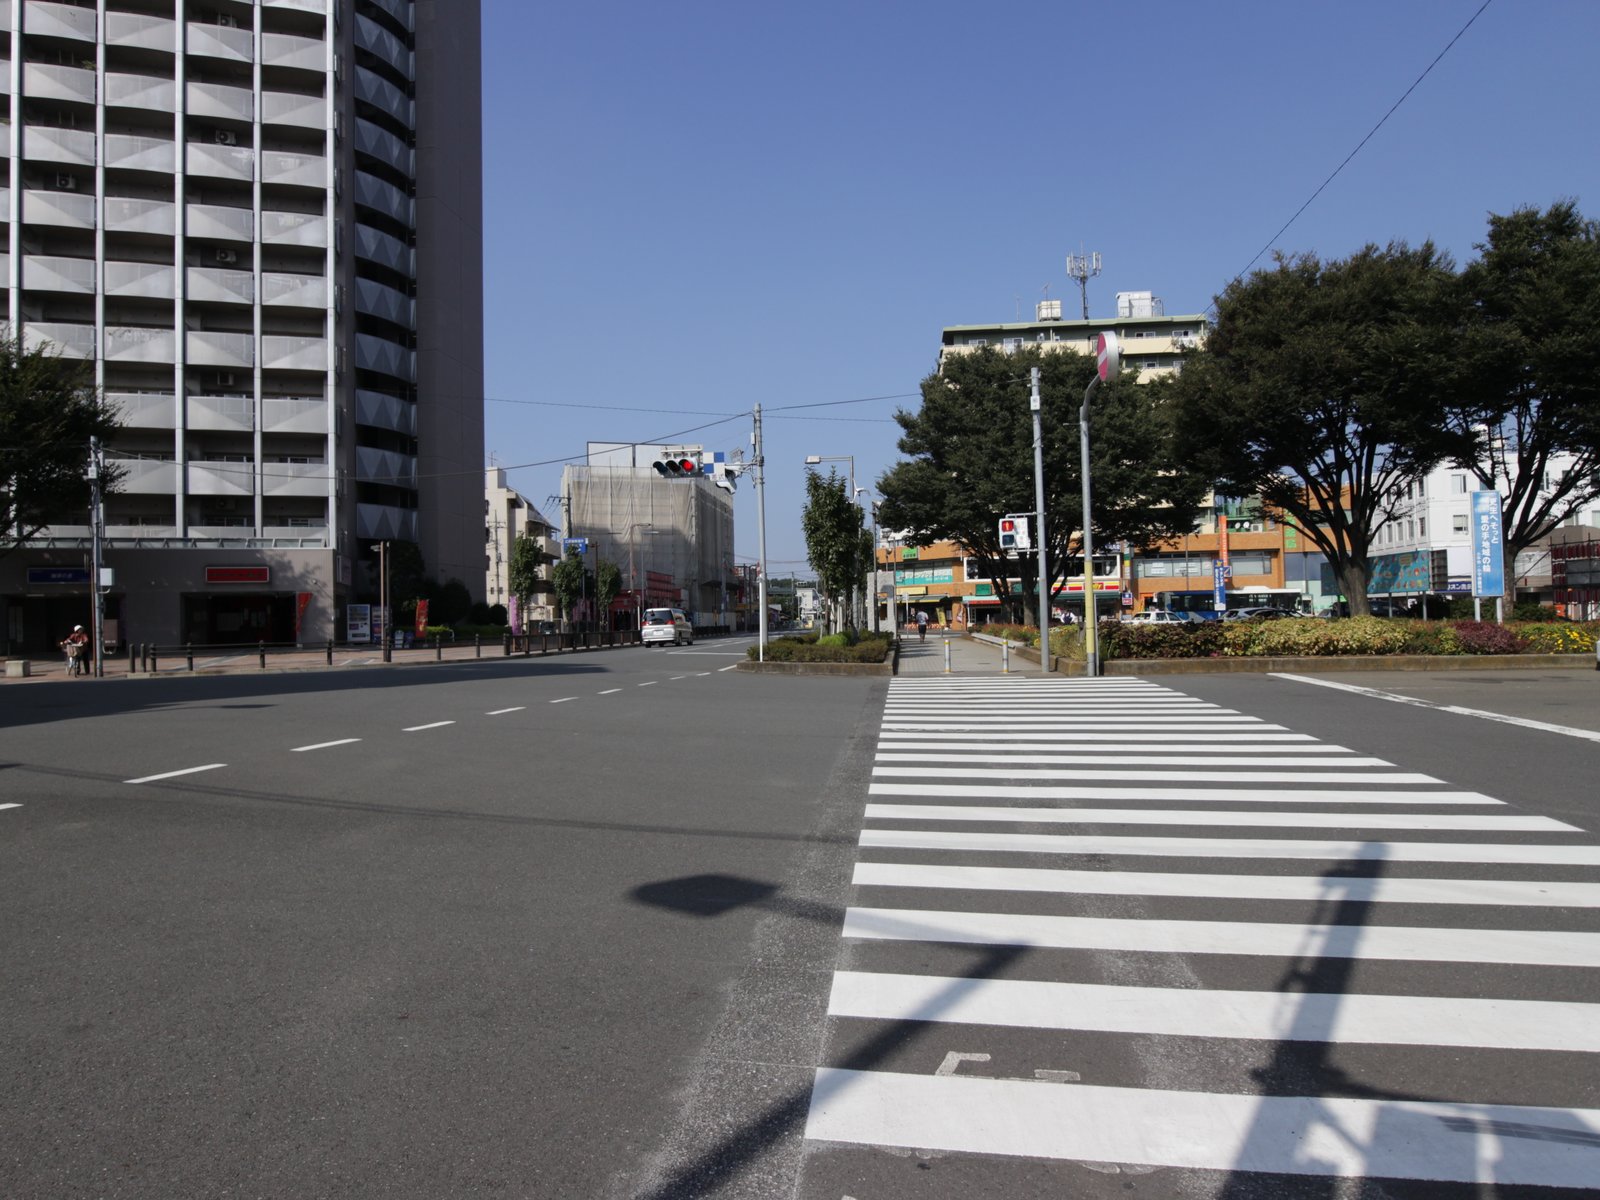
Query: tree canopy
{"points": [[970, 462], [833, 531], [49, 410], [525, 570], [568, 576], [1529, 415], [1323, 386]]}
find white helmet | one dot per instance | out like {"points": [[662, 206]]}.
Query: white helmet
{"points": [[77, 629]]}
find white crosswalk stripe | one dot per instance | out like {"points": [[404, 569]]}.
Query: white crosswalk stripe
{"points": [[1258, 952]]}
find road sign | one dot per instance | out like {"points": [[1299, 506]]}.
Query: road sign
{"points": [[1219, 585], [1107, 356], [581, 545]]}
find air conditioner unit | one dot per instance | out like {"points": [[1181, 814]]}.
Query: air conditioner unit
{"points": [[227, 256], [226, 21], [227, 379], [67, 183], [226, 137]]}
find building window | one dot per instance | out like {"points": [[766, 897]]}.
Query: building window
{"points": [[1422, 528], [1459, 523], [1458, 484]]}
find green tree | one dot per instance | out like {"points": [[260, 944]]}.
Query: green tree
{"points": [[49, 409], [1322, 387], [1530, 409], [525, 571], [607, 587], [832, 528], [568, 577], [970, 462]]}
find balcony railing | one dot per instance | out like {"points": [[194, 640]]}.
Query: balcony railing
{"points": [[219, 286], [47, 81], [221, 478], [291, 108], [226, 414], [294, 229], [144, 31], [221, 41], [294, 291], [295, 479], [146, 476], [145, 410], [142, 344], [287, 50], [385, 522], [294, 414], [49, 273], [151, 281], [71, 340], [67, 210], [46, 143], [141, 91], [380, 354], [294, 353], [212, 161], [303, 170], [43, 19], [220, 100], [126, 214], [220, 221], [134, 152], [386, 412], [209, 348]]}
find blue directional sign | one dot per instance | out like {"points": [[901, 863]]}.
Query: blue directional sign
{"points": [[581, 545], [1488, 548], [1219, 584]]}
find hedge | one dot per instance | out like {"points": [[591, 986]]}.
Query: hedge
{"points": [[1315, 637]]}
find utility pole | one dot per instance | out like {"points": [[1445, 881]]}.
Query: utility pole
{"points": [[1084, 267], [761, 532], [96, 529], [1038, 504]]}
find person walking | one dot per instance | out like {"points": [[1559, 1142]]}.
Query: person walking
{"points": [[77, 650], [922, 626]]}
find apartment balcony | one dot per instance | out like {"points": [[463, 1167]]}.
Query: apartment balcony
{"points": [[145, 476], [386, 251], [140, 533], [210, 348], [294, 414], [221, 478], [386, 467], [383, 522], [304, 537], [301, 170], [375, 299], [295, 479], [125, 214], [221, 414], [211, 161], [287, 50], [42, 19], [221, 41], [294, 229], [386, 412], [399, 10], [134, 152], [380, 93], [141, 31], [375, 38], [147, 92], [294, 291], [47, 273], [140, 344], [220, 221], [47, 81], [384, 146], [46, 143], [294, 353], [379, 354], [310, 6], [291, 108], [218, 286], [145, 281], [71, 340], [65, 210], [384, 197], [221, 100], [146, 410]]}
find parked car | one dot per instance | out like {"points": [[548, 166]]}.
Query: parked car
{"points": [[663, 625], [1156, 616], [1260, 613]]}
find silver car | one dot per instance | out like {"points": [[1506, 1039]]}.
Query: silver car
{"points": [[664, 625]]}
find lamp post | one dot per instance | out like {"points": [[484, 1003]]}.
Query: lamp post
{"points": [[814, 459], [383, 596], [633, 577], [872, 597], [1108, 365]]}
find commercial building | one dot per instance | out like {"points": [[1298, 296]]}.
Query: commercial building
{"points": [[507, 517], [261, 223]]}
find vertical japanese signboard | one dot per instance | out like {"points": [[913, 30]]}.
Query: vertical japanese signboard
{"points": [[1488, 558]]}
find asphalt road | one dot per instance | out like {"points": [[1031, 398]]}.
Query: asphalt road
{"points": [[568, 928], [501, 929]]}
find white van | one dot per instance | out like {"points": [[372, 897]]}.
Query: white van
{"points": [[663, 625]]}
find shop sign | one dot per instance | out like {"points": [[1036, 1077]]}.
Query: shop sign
{"points": [[58, 575], [238, 575]]}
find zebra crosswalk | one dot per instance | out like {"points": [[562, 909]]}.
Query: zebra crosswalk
{"points": [[1106, 924]]}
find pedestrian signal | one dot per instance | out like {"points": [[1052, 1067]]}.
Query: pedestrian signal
{"points": [[1014, 534]]}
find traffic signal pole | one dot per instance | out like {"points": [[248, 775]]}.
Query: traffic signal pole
{"points": [[761, 533], [1038, 504]]}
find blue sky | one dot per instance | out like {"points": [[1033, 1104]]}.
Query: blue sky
{"points": [[692, 208]]}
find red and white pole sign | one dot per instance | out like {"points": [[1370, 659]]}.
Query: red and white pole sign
{"points": [[1107, 356]]}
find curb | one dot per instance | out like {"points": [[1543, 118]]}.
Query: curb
{"points": [[847, 670], [1346, 663]]}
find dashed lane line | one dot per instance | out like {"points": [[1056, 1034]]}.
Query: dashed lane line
{"points": [[610, 692], [175, 774], [323, 745], [430, 725], [563, 700], [10, 806], [650, 683], [500, 712]]}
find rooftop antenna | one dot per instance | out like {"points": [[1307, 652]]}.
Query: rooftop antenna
{"points": [[1083, 267]]}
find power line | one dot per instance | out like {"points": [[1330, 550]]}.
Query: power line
{"points": [[1364, 141]]}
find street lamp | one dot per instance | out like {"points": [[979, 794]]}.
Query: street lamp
{"points": [[383, 596], [633, 578], [1108, 365]]}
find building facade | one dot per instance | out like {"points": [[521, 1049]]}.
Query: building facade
{"points": [[261, 223], [507, 517]]}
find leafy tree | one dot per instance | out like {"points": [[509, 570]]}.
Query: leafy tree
{"points": [[49, 409], [1532, 394], [607, 586], [970, 449], [568, 578], [832, 528], [525, 571], [1323, 386]]}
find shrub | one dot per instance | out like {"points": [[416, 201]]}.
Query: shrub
{"points": [[1028, 634], [1532, 610], [836, 641], [1431, 637], [1559, 637], [871, 648], [1485, 637], [1192, 640]]}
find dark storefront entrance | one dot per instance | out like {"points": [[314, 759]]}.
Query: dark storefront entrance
{"points": [[35, 625], [239, 619]]}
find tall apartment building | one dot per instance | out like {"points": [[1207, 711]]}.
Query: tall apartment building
{"points": [[508, 515], [261, 222]]}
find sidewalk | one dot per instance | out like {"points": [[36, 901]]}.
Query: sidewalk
{"points": [[966, 657]]}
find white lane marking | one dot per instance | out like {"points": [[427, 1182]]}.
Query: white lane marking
{"points": [[1523, 722], [1401, 1139], [650, 683], [1131, 759], [609, 692], [175, 774], [1198, 1012], [955, 1058], [1066, 720], [1165, 847], [1111, 775], [675, 678], [431, 725], [12, 805], [720, 670], [1237, 795], [323, 745], [1277, 939], [1006, 739], [701, 674], [563, 700], [500, 712], [1527, 893], [1210, 816]]}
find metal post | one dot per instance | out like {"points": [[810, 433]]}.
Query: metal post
{"points": [[477, 645], [1038, 504], [188, 651], [946, 654], [761, 531], [96, 521], [130, 658], [1005, 657], [383, 601], [261, 649], [1091, 624], [330, 652], [438, 647]]}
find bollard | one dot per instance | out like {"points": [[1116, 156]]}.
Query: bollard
{"points": [[130, 658], [144, 656], [947, 656], [1005, 658], [438, 647], [261, 649], [330, 652], [527, 644], [477, 645], [153, 667], [188, 652], [506, 638]]}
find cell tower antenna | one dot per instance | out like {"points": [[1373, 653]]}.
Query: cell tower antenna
{"points": [[1083, 267]]}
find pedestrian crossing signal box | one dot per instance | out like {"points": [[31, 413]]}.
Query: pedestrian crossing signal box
{"points": [[1014, 534]]}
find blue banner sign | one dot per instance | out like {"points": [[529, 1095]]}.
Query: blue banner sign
{"points": [[1488, 559], [59, 575], [1219, 584]]}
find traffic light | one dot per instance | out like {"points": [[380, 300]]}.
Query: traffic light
{"points": [[676, 468], [1014, 534]]}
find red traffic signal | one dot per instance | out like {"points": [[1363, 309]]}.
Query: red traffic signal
{"points": [[676, 468]]}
